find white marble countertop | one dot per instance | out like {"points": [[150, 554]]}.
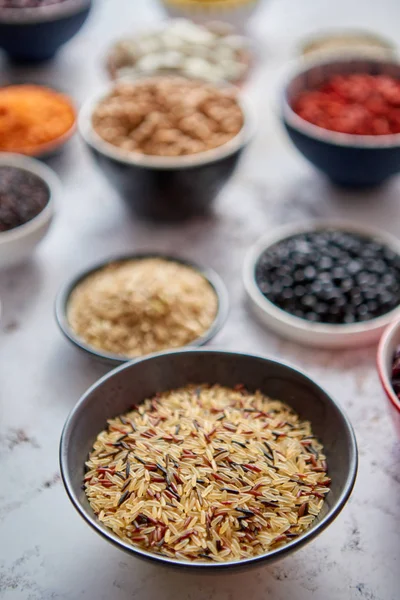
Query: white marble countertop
{"points": [[46, 550]]}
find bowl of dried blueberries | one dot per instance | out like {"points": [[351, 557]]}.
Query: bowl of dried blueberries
{"points": [[167, 143], [330, 284], [27, 192], [388, 361]]}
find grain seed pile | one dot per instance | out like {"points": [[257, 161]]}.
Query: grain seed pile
{"points": [[168, 116], [23, 195], [135, 307], [207, 474], [182, 47]]}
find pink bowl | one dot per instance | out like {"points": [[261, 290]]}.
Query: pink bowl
{"points": [[390, 340]]}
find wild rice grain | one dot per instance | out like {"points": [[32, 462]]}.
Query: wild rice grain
{"points": [[266, 489]]}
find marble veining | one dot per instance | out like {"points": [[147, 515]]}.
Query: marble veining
{"points": [[46, 550]]}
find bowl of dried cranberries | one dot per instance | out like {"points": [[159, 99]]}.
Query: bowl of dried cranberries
{"points": [[343, 115]]}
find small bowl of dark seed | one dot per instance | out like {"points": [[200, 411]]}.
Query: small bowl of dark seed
{"points": [[329, 284], [27, 192], [388, 361]]}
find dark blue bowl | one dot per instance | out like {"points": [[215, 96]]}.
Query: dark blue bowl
{"points": [[34, 35], [165, 188], [349, 160]]}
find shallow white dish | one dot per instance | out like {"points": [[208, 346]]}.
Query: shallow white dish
{"points": [[306, 332], [18, 243]]}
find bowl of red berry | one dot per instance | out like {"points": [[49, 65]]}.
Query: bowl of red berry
{"points": [[343, 115], [388, 360]]}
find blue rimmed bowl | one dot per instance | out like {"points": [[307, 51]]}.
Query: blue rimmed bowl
{"points": [[35, 34], [349, 160]]}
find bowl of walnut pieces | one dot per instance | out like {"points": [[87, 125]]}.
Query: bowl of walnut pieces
{"points": [[167, 144]]}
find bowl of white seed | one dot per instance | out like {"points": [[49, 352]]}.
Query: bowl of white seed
{"points": [[213, 52], [168, 144]]}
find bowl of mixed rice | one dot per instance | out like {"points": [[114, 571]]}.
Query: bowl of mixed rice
{"points": [[208, 459], [137, 304]]}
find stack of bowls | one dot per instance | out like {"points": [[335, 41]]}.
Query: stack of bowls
{"points": [[17, 244]]}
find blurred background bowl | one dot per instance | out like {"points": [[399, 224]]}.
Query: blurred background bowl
{"points": [[62, 300], [388, 345], [235, 12], [349, 160], [165, 188], [17, 244], [223, 57], [35, 34], [354, 42], [130, 384]]}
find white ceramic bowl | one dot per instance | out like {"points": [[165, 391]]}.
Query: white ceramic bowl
{"points": [[303, 331], [18, 243], [390, 340]]}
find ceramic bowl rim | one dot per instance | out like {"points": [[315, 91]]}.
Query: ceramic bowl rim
{"points": [[62, 298], [49, 177], [334, 138], [208, 157], [39, 15], [382, 355], [306, 537], [298, 324]]}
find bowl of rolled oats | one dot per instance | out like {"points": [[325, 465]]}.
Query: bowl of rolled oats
{"points": [[134, 305], [168, 144]]}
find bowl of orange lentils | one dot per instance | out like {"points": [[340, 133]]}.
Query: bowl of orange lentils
{"points": [[35, 120], [343, 115]]}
